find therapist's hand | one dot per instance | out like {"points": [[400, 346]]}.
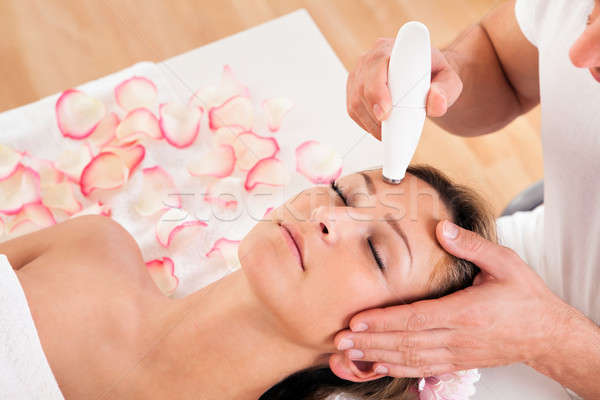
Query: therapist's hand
{"points": [[367, 95], [507, 316]]}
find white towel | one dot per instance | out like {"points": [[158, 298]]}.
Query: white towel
{"points": [[24, 369], [33, 128]]}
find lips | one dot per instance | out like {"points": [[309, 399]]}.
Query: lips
{"points": [[294, 241]]}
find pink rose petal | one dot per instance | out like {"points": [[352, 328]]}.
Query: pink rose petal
{"points": [[172, 222], [230, 84], [78, 114], [72, 161], [136, 92], [318, 162], [95, 209], [275, 109], [138, 124], [213, 96], [32, 217], [158, 192], [9, 160], [132, 156], [60, 196], [105, 171], [179, 124], [218, 162], [225, 192], [162, 272], [48, 173], [250, 148], [268, 171], [227, 250], [227, 134], [205, 98], [106, 130], [20, 188], [237, 111]]}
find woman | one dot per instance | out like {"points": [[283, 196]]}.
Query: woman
{"points": [[109, 333]]}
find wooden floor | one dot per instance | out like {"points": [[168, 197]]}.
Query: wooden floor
{"points": [[50, 45]]}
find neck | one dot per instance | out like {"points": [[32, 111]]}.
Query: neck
{"points": [[227, 345]]}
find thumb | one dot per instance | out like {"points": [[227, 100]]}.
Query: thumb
{"points": [[462, 243]]}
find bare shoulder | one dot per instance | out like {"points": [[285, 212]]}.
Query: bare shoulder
{"points": [[91, 251], [97, 237], [77, 237], [86, 240]]}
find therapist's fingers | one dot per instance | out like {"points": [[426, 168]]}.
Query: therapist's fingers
{"points": [[446, 85], [355, 106], [402, 371], [409, 358], [376, 94], [421, 315], [394, 341], [367, 94], [367, 122]]}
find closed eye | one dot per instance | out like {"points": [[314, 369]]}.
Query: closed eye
{"points": [[376, 255], [336, 189], [374, 251]]}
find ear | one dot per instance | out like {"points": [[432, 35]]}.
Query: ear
{"points": [[352, 370]]}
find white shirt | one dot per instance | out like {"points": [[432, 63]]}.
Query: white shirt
{"points": [[570, 101], [561, 239]]}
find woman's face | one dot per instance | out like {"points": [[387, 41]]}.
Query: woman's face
{"points": [[313, 293]]}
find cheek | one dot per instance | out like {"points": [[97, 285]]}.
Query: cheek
{"points": [[300, 207], [337, 297], [263, 264]]}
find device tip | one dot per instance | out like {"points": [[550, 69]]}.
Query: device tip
{"points": [[391, 181]]}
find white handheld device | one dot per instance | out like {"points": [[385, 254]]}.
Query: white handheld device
{"points": [[409, 79]]}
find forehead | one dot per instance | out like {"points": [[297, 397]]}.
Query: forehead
{"points": [[412, 199]]}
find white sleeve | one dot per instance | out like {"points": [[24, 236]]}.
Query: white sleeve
{"points": [[528, 17], [523, 232]]}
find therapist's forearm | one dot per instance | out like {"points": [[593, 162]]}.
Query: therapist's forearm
{"points": [[576, 362], [487, 102], [499, 71]]}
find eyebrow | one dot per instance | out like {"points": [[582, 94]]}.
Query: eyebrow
{"points": [[398, 229], [368, 182], [393, 222]]}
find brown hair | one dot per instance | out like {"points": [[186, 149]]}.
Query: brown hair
{"points": [[468, 210]]}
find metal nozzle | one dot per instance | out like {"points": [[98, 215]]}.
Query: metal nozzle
{"points": [[391, 181]]}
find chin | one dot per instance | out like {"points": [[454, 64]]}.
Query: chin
{"points": [[273, 277], [261, 258]]}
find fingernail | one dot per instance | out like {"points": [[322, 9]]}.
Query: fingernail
{"points": [[360, 327], [450, 230], [378, 111], [345, 344], [355, 354], [381, 370]]}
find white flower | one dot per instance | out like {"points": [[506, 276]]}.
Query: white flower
{"points": [[459, 385]]}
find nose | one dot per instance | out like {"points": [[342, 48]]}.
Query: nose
{"points": [[337, 224], [585, 52]]}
